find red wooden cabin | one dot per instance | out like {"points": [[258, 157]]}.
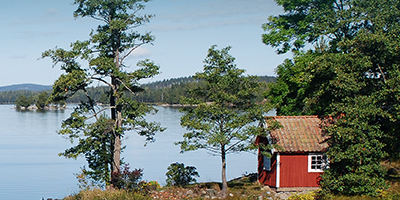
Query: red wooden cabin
{"points": [[300, 160]]}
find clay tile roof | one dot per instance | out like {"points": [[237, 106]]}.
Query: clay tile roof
{"points": [[299, 134]]}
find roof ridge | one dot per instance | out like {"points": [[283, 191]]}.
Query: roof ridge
{"points": [[301, 116]]}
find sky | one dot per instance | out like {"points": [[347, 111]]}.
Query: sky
{"points": [[184, 31]]}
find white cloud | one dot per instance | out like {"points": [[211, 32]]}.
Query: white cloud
{"points": [[194, 14], [141, 52], [52, 11], [18, 57]]}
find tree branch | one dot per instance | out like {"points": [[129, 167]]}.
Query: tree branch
{"points": [[383, 75], [130, 51], [125, 86], [213, 150], [231, 146], [101, 80], [98, 18], [105, 108]]}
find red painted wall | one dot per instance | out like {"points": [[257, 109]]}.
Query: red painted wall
{"points": [[267, 177], [294, 171]]}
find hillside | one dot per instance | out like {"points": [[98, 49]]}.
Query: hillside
{"points": [[167, 91], [25, 87], [183, 80], [151, 85]]}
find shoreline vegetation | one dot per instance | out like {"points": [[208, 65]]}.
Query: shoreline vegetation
{"points": [[244, 187], [34, 107], [165, 93]]}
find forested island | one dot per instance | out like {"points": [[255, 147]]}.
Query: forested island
{"points": [[167, 91]]}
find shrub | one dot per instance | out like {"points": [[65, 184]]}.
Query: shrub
{"points": [[304, 196], [85, 182], [146, 187], [179, 175], [23, 101], [126, 179]]}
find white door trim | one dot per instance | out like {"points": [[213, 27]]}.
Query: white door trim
{"points": [[278, 170]]}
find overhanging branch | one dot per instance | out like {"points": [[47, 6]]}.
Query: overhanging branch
{"points": [[130, 51], [125, 86]]}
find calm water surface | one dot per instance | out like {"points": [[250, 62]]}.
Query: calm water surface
{"points": [[31, 169]]}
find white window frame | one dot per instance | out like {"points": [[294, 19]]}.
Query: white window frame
{"points": [[323, 162]]}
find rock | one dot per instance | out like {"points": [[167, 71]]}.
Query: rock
{"points": [[33, 107], [283, 195], [189, 192], [266, 188], [211, 192]]}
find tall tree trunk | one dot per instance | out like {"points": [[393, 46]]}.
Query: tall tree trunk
{"points": [[116, 114], [224, 190], [116, 142]]}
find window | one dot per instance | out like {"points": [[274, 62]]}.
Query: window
{"points": [[267, 163], [317, 162]]}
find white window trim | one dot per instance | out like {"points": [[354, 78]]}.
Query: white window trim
{"points": [[324, 163]]}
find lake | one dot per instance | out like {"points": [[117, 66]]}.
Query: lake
{"points": [[30, 167]]}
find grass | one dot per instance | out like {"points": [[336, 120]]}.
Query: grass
{"points": [[97, 194], [242, 188], [245, 187]]}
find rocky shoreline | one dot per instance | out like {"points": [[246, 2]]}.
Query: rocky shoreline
{"points": [[33, 107]]}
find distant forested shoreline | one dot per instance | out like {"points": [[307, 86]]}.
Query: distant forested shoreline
{"points": [[160, 92]]}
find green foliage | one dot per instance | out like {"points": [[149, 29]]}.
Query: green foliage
{"points": [[168, 91], [225, 111], [352, 74], [179, 175], [225, 107], [311, 195], [289, 94], [95, 144], [41, 100], [172, 90], [23, 101], [86, 183], [309, 21], [10, 97], [98, 135], [148, 187]]}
